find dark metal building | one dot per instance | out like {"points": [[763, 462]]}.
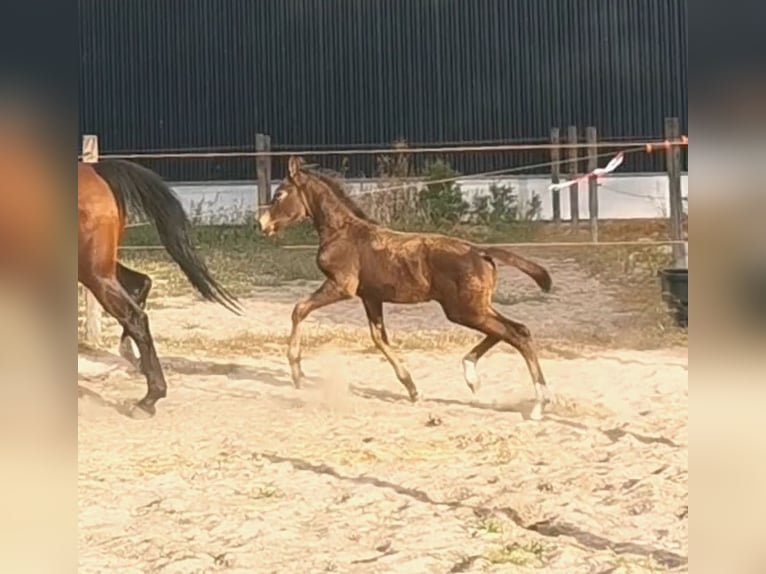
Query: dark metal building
{"points": [[182, 74]]}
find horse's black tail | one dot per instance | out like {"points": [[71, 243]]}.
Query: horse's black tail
{"points": [[140, 188]]}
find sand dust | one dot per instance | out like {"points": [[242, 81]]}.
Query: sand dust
{"points": [[240, 472]]}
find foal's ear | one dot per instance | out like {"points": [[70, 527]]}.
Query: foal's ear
{"points": [[294, 165]]}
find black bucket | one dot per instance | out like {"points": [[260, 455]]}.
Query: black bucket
{"points": [[675, 293]]}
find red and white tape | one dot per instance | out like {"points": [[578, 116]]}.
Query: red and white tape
{"points": [[613, 164]]}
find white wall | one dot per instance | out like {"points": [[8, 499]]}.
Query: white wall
{"points": [[627, 196]]}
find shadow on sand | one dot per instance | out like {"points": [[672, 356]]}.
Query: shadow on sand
{"points": [[175, 366], [551, 528]]}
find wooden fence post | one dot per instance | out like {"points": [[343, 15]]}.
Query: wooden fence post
{"points": [[574, 189], [556, 173], [92, 306], [591, 135], [263, 166], [673, 158]]}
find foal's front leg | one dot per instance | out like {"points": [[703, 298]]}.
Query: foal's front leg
{"points": [[329, 293], [374, 310]]}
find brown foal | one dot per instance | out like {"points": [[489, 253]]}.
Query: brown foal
{"points": [[363, 259]]}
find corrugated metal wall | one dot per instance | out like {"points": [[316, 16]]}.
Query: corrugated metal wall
{"points": [[179, 74]]}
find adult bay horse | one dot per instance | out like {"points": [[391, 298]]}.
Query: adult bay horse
{"points": [[360, 258], [106, 190]]}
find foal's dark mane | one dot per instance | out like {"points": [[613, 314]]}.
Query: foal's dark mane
{"points": [[332, 180]]}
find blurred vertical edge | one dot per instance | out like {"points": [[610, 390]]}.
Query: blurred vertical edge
{"points": [[38, 337], [728, 203]]}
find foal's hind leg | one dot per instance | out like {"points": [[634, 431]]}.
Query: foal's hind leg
{"points": [[116, 301], [469, 361], [137, 285], [374, 310], [496, 326], [518, 336]]}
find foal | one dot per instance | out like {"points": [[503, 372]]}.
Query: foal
{"points": [[378, 265]]}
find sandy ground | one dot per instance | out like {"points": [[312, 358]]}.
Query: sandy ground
{"points": [[240, 472]]}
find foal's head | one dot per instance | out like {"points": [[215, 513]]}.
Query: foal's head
{"points": [[288, 204], [306, 194]]}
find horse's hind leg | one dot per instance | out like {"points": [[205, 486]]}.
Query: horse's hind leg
{"points": [[116, 301], [481, 301], [469, 361], [137, 285], [519, 337], [497, 327], [374, 310]]}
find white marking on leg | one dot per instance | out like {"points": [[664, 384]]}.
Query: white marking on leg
{"points": [[537, 409], [470, 375]]}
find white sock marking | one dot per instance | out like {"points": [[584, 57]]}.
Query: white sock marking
{"points": [[470, 375]]}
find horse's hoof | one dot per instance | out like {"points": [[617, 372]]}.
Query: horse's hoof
{"points": [[141, 411], [471, 376], [298, 380], [414, 397], [297, 375], [550, 396], [537, 412]]}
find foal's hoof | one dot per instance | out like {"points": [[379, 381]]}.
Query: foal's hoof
{"points": [[537, 412], [297, 374], [141, 411], [414, 396], [471, 376], [298, 381]]}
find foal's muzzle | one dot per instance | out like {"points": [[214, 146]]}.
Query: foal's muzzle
{"points": [[266, 224]]}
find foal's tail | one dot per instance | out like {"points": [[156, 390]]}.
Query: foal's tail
{"points": [[535, 271], [138, 187]]}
